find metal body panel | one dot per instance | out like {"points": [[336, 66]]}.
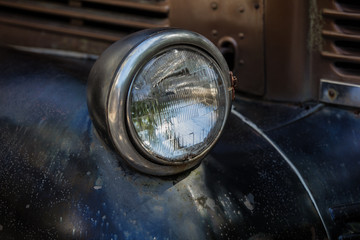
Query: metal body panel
{"points": [[59, 180], [325, 147], [323, 144], [236, 27], [286, 51]]}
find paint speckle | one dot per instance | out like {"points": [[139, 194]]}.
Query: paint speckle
{"points": [[27, 206], [249, 202], [98, 184], [1, 227]]}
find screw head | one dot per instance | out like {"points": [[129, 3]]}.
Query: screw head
{"points": [[332, 93], [214, 5], [214, 32], [241, 35]]}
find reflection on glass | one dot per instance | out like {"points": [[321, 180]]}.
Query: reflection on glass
{"points": [[177, 104]]}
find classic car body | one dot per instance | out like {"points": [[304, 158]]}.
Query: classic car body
{"points": [[285, 167]]}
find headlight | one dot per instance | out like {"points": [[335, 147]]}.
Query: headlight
{"points": [[161, 97]]}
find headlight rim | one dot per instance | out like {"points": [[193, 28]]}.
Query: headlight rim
{"points": [[145, 44]]}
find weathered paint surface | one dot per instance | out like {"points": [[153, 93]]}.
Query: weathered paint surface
{"points": [[59, 180]]}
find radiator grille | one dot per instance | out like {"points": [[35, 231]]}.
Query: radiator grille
{"points": [[100, 20], [342, 37]]}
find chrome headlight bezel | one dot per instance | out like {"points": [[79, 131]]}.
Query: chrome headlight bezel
{"points": [[122, 61]]}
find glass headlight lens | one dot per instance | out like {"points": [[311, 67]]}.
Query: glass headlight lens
{"points": [[176, 104]]}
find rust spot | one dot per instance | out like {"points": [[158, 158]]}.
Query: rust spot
{"points": [[315, 40], [202, 201], [233, 84], [332, 93]]}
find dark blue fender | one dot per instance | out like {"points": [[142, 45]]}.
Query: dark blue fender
{"points": [[59, 180]]}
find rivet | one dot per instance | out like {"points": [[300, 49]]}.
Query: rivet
{"points": [[214, 32], [214, 5], [241, 35]]}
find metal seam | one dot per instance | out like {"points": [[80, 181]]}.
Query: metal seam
{"points": [[292, 166], [301, 116]]}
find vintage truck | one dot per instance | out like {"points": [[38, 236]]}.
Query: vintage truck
{"points": [[170, 119]]}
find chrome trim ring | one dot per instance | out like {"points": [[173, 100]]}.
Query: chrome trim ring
{"points": [[117, 119]]}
